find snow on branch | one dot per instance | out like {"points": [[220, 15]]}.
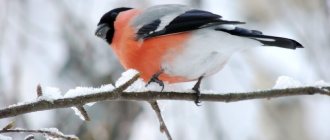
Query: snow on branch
{"points": [[47, 132], [130, 87], [133, 89]]}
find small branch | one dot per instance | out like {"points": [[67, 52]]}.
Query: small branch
{"points": [[83, 112], [163, 127], [119, 90], [39, 91], [119, 95], [9, 125], [29, 137], [46, 132]]}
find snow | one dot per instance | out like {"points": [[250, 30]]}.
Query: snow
{"points": [[30, 137], [288, 82], [50, 94], [126, 76], [320, 84], [139, 86], [21, 103], [3, 137], [53, 130], [79, 91]]}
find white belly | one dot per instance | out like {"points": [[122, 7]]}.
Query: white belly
{"points": [[204, 54]]}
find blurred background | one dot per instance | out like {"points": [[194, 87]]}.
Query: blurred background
{"points": [[52, 43]]}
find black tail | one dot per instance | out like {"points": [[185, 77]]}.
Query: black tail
{"points": [[264, 39]]}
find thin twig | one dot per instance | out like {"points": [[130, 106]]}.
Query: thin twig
{"points": [[39, 90], [9, 125], [29, 137], [46, 132], [117, 95], [163, 127], [119, 90], [83, 112]]}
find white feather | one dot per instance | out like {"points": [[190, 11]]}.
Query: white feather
{"points": [[227, 27], [204, 54], [266, 39]]}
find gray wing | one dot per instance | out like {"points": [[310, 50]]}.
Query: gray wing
{"points": [[171, 19], [158, 12]]}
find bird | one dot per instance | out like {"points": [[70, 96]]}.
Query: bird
{"points": [[175, 43]]}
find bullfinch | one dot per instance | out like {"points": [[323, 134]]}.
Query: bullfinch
{"points": [[176, 43]]}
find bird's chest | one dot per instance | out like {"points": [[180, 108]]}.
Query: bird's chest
{"points": [[148, 56]]}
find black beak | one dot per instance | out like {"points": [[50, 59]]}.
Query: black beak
{"points": [[102, 30]]}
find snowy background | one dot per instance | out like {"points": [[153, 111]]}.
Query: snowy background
{"points": [[52, 43]]}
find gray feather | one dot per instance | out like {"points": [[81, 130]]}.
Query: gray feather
{"points": [[157, 12]]}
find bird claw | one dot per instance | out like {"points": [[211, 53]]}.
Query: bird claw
{"points": [[198, 95], [155, 79], [197, 92]]}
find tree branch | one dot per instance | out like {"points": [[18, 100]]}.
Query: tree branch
{"points": [[163, 127], [119, 95]]}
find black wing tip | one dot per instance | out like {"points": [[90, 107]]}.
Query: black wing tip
{"points": [[264, 39], [296, 44], [299, 45], [283, 43]]}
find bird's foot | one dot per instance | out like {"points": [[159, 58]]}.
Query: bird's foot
{"points": [[197, 91], [155, 79], [198, 95]]}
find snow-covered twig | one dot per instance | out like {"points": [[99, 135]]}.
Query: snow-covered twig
{"points": [[47, 132], [50, 132], [79, 100]]}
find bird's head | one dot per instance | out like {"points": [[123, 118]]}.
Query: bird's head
{"points": [[105, 27]]}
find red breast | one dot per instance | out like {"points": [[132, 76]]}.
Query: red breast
{"points": [[146, 56]]}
